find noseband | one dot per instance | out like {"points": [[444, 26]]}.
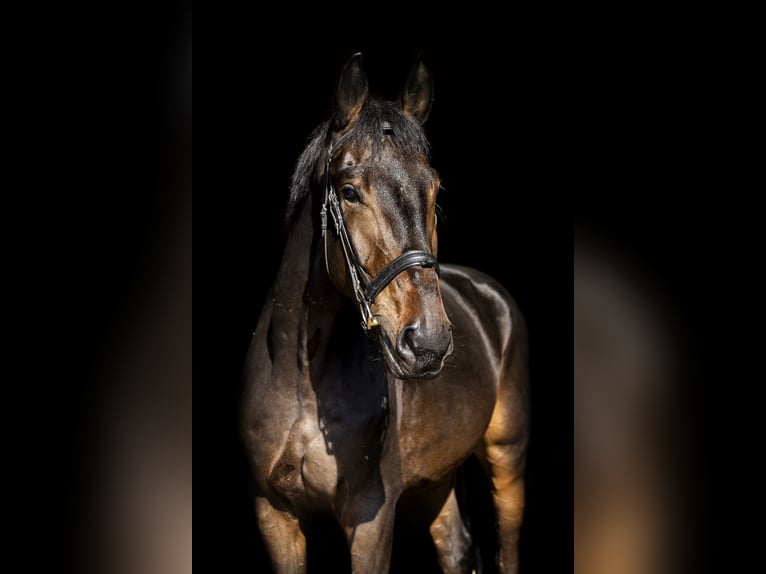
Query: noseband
{"points": [[365, 291]]}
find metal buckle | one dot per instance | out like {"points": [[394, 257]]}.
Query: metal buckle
{"points": [[323, 215]]}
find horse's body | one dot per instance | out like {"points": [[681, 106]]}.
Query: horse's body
{"points": [[328, 426]]}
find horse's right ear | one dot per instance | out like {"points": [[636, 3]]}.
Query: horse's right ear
{"points": [[418, 94], [352, 92]]}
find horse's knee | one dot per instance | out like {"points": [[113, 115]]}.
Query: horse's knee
{"points": [[450, 534], [451, 538], [283, 537], [506, 473], [509, 504], [506, 462]]}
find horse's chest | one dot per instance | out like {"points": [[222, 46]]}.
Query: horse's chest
{"points": [[336, 439], [443, 420]]}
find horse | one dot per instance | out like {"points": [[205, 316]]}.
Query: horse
{"points": [[355, 420]]}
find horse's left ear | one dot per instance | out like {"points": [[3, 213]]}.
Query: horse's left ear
{"points": [[418, 92], [352, 91]]}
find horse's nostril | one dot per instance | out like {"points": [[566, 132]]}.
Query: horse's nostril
{"points": [[408, 341]]}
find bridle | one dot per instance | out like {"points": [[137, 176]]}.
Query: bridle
{"points": [[365, 291]]}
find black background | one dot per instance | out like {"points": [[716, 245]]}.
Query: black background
{"points": [[621, 112], [493, 127]]}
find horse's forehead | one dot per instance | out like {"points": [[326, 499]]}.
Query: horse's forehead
{"points": [[386, 161]]}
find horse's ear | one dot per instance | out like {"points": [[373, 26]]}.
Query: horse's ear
{"points": [[352, 91], [418, 92]]}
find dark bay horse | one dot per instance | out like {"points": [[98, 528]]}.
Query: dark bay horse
{"points": [[354, 420]]}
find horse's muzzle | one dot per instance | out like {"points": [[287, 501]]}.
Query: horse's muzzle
{"points": [[422, 351]]}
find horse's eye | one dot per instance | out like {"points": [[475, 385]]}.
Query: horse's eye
{"points": [[349, 193]]}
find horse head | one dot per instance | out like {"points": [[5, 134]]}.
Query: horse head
{"points": [[379, 214]]}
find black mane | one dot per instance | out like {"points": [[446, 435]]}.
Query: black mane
{"points": [[380, 123]]}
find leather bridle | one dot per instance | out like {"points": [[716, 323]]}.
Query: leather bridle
{"points": [[365, 290]]}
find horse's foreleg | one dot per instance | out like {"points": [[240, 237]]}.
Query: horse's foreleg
{"points": [[368, 522], [506, 472], [503, 450], [451, 538], [283, 537], [503, 455]]}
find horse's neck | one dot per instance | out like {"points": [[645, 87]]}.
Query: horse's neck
{"points": [[308, 315], [304, 296], [295, 268]]}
